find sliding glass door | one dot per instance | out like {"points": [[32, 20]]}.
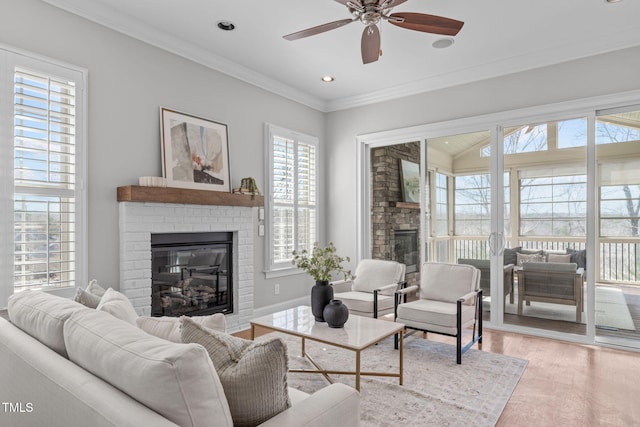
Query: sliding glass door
{"points": [[617, 267], [544, 165]]}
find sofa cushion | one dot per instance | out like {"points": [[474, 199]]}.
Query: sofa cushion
{"points": [[559, 258], [168, 328], [253, 373], [118, 305], [176, 380], [42, 315]]}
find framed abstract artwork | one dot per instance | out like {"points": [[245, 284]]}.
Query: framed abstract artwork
{"points": [[410, 181], [195, 152]]}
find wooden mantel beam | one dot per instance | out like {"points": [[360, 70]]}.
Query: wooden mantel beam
{"points": [[184, 196]]}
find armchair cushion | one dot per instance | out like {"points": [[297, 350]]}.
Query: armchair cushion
{"points": [[460, 279], [363, 301], [436, 316], [372, 274]]}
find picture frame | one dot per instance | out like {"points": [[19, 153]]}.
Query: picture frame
{"points": [[410, 181], [195, 152]]}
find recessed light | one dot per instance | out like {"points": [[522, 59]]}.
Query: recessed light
{"points": [[226, 25], [443, 43], [327, 79], [613, 1]]}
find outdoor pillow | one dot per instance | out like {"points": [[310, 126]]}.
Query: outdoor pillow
{"points": [[253, 373], [579, 257], [522, 258], [510, 255]]}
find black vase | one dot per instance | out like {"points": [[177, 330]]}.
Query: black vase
{"points": [[321, 294], [336, 313]]}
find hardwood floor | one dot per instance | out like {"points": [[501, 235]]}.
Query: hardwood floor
{"points": [[565, 384]]}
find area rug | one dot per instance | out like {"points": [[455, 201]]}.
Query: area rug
{"points": [[612, 311], [436, 391]]}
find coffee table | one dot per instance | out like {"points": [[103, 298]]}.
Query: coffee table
{"points": [[358, 334]]}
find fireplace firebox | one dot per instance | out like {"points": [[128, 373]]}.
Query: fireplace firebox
{"points": [[406, 249], [192, 274]]}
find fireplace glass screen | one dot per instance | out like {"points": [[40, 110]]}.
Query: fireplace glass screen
{"points": [[406, 249], [192, 274]]}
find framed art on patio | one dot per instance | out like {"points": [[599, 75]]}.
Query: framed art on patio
{"points": [[410, 181], [195, 152]]}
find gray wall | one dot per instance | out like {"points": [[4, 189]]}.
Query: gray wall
{"points": [[610, 73], [128, 82]]}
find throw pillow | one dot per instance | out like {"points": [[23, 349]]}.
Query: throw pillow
{"points": [[87, 299], [168, 328], [253, 373], [510, 255], [118, 305], [559, 258], [579, 257], [95, 289], [522, 258]]}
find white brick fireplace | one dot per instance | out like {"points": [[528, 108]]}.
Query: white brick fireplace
{"points": [[138, 220]]}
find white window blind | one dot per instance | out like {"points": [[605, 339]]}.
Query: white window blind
{"points": [[292, 195], [42, 175], [44, 180]]}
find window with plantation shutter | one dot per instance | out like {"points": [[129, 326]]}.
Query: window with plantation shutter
{"points": [[47, 196], [292, 195]]}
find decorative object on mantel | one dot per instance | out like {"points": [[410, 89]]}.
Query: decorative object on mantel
{"points": [[410, 181], [321, 264], [335, 313], [195, 152], [152, 181], [248, 186]]}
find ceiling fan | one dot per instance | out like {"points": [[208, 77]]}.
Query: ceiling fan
{"points": [[371, 12]]}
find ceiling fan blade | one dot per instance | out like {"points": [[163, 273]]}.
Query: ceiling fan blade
{"points": [[319, 29], [426, 23], [370, 44]]}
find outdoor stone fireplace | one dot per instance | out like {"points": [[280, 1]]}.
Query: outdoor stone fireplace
{"points": [[139, 220], [394, 224]]}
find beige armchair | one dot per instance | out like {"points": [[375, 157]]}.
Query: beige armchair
{"points": [[371, 293], [449, 300], [554, 282]]}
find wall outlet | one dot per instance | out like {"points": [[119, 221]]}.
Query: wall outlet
{"points": [[276, 289]]}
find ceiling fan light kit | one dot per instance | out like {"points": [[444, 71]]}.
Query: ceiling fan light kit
{"points": [[373, 12]]}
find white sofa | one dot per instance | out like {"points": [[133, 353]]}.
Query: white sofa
{"points": [[63, 364]]}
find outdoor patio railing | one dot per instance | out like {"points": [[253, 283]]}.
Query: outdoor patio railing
{"points": [[618, 260]]}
